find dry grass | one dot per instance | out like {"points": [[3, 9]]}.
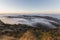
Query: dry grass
{"points": [[7, 38], [28, 36]]}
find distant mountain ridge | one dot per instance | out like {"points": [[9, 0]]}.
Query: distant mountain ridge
{"points": [[34, 16]]}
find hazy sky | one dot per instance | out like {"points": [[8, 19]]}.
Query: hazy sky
{"points": [[29, 6]]}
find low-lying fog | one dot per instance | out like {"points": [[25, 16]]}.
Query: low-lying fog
{"points": [[32, 20]]}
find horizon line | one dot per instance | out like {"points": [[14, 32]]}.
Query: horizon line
{"points": [[29, 13]]}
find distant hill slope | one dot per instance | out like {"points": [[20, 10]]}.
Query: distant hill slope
{"points": [[1, 23]]}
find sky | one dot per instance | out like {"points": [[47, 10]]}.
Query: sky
{"points": [[29, 6]]}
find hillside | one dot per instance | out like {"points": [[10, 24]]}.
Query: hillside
{"points": [[25, 32]]}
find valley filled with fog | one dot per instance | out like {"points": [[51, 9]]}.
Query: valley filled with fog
{"points": [[47, 20]]}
